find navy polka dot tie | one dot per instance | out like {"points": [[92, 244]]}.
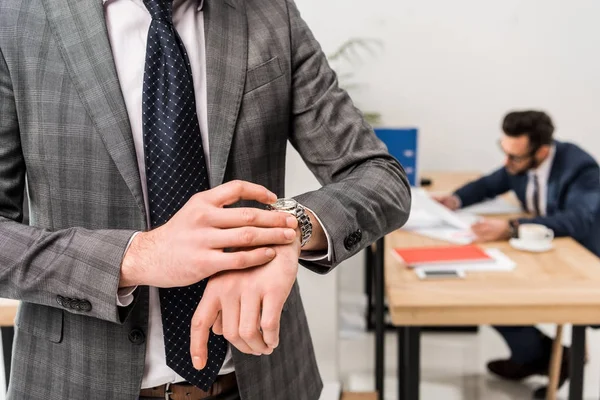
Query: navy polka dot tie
{"points": [[175, 171]]}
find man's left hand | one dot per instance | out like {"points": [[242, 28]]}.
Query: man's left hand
{"points": [[489, 230], [245, 306]]}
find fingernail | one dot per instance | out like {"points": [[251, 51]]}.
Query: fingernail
{"points": [[257, 354], [290, 234], [291, 221], [270, 253], [197, 363]]}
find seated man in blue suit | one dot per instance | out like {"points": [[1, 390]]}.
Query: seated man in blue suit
{"points": [[559, 185]]}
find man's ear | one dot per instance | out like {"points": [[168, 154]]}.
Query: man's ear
{"points": [[542, 152]]}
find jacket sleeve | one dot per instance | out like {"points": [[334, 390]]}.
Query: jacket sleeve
{"points": [[74, 269], [365, 192], [484, 188]]}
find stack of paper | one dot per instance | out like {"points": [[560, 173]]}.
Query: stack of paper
{"points": [[430, 218], [496, 206]]}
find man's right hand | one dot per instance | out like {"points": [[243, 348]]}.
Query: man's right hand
{"points": [[192, 245], [450, 201]]}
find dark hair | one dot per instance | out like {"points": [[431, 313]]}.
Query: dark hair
{"points": [[537, 125]]}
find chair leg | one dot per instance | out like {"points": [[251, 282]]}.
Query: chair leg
{"points": [[555, 364]]}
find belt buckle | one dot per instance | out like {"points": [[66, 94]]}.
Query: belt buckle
{"points": [[168, 393]]}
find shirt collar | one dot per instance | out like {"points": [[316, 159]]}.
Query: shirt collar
{"points": [[200, 4], [543, 170]]}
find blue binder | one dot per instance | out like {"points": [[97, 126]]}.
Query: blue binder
{"points": [[402, 144]]}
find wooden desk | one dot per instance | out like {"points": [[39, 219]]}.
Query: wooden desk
{"points": [[359, 396], [8, 311], [560, 286]]}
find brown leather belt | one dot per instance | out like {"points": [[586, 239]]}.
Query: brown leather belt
{"points": [[186, 391]]}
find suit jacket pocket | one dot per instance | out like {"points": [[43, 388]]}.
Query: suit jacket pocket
{"points": [[40, 321], [262, 74]]}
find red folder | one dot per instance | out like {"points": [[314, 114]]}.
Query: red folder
{"points": [[419, 256]]}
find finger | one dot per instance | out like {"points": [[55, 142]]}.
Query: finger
{"points": [[242, 259], [237, 217], [217, 328], [272, 307], [231, 324], [250, 237], [250, 324], [204, 317], [234, 191]]}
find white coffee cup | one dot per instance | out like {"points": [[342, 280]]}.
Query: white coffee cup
{"points": [[535, 234]]}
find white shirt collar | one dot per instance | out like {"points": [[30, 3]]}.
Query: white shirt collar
{"points": [[543, 170], [200, 3]]}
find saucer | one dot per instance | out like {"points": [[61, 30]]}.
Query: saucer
{"points": [[529, 246]]}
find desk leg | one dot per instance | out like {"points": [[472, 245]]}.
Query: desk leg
{"points": [[577, 362], [8, 333], [409, 362], [379, 319], [403, 363], [413, 343]]}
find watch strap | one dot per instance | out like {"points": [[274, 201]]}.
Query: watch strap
{"points": [[514, 228], [304, 224]]}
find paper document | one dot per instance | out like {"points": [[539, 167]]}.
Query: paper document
{"points": [[501, 263], [496, 206], [420, 218], [449, 234], [431, 219], [422, 201]]}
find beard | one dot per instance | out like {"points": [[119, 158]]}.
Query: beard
{"points": [[532, 164]]}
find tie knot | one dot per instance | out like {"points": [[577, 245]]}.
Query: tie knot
{"points": [[160, 10]]}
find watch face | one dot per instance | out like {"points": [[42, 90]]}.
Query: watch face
{"points": [[285, 204]]}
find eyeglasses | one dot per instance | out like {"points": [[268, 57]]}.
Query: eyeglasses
{"points": [[514, 158]]}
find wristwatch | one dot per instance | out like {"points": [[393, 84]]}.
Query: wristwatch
{"points": [[291, 206]]}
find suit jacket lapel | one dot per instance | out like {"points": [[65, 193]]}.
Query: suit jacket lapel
{"points": [[83, 38], [226, 40], [553, 180], [520, 188]]}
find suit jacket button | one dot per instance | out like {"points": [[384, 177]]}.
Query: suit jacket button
{"points": [[73, 303], [60, 300], [358, 235], [85, 305], [136, 336], [349, 242]]}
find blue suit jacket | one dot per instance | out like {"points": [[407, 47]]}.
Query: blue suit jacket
{"points": [[573, 206]]}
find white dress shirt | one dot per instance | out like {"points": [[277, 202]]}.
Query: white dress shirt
{"points": [[128, 22], [543, 174]]}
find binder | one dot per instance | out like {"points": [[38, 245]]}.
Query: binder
{"points": [[430, 256]]}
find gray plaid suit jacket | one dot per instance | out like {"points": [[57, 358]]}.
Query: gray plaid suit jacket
{"points": [[64, 132]]}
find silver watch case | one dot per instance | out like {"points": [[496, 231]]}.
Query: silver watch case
{"points": [[291, 206]]}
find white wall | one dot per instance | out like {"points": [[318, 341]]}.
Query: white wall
{"points": [[453, 68]]}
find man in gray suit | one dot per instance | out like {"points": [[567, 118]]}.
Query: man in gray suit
{"points": [[152, 136]]}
